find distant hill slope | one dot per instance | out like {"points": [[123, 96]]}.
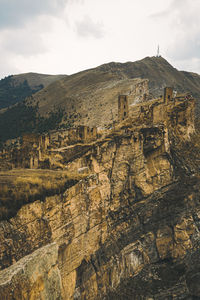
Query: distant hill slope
{"points": [[90, 97], [85, 98], [91, 94], [160, 74], [35, 79], [16, 88]]}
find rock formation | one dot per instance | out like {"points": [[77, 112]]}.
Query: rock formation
{"points": [[129, 230]]}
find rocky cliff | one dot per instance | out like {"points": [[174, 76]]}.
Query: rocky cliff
{"points": [[129, 230]]}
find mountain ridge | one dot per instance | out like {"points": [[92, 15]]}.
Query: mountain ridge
{"points": [[157, 70], [16, 88], [35, 78], [90, 97]]}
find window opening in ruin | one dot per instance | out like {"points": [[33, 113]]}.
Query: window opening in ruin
{"points": [[124, 114]]}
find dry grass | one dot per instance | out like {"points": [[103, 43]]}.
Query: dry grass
{"points": [[50, 180], [18, 187]]}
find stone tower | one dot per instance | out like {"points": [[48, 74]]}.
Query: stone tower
{"points": [[168, 94], [122, 107]]}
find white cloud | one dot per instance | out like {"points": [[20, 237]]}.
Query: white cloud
{"points": [[8, 68], [66, 36], [88, 28], [24, 28], [183, 33], [24, 41]]}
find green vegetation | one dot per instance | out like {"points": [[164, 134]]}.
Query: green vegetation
{"points": [[12, 92], [21, 119], [17, 120], [49, 123]]}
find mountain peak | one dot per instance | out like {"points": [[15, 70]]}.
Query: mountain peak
{"points": [[160, 60]]}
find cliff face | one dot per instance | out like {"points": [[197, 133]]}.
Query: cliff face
{"points": [[130, 230], [35, 276]]}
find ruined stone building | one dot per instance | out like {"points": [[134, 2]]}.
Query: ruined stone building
{"points": [[32, 150], [122, 107], [168, 95], [139, 92], [82, 134], [33, 140], [156, 111]]}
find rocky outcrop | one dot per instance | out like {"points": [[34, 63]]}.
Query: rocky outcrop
{"points": [[35, 276], [130, 230]]}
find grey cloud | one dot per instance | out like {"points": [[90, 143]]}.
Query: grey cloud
{"points": [[182, 4], [183, 19], [185, 48], [17, 12], [173, 7], [187, 45], [88, 28], [21, 28], [23, 43], [7, 67]]}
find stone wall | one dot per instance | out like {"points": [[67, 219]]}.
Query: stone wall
{"points": [[82, 134], [30, 139], [140, 92], [168, 95]]}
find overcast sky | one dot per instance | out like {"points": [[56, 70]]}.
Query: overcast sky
{"points": [[67, 36]]}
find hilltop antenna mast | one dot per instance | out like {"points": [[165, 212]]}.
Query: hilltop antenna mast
{"points": [[158, 52]]}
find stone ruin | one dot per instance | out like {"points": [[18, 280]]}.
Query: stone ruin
{"points": [[35, 141], [82, 134], [30, 154], [168, 95], [139, 92], [36, 148], [122, 107], [153, 111]]}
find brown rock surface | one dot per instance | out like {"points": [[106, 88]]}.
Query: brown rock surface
{"points": [[130, 230], [35, 276]]}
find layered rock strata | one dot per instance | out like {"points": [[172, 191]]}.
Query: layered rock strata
{"points": [[130, 230]]}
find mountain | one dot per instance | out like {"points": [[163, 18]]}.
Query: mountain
{"points": [[160, 74], [16, 88], [35, 79], [90, 97], [90, 90]]}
